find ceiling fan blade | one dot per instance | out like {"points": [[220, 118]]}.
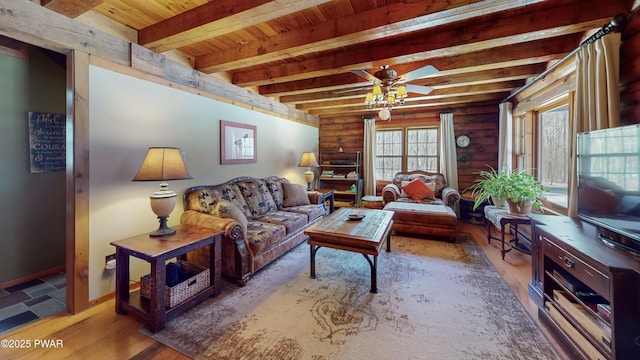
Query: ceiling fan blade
{"points": [[419, 73], [366, 75], [419, 89]]}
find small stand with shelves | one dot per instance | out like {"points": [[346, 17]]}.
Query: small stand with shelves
{"points": [[157, 251], [340, 172]]}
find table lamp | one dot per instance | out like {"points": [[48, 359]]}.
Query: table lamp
{"points": [[308, 159], [163, 164]]}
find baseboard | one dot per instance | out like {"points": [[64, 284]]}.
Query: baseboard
{"points": [[23, 279]]}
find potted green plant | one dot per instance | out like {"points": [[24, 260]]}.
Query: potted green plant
{"points": [[491, 184], [522, 192]]}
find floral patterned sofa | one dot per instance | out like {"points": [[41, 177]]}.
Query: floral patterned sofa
{"points": [[261, 219], [429, 213]]}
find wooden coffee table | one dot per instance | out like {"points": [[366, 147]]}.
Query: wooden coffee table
{"points": [[366, 236]]}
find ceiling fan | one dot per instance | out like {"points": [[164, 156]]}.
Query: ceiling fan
{"points": [[389, 88], [388, 77]]}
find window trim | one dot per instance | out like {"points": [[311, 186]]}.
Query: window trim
{"points": [[564, 100], [405, 146]]}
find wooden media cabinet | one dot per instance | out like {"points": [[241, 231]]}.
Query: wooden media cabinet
{"points": [[588, 293]]}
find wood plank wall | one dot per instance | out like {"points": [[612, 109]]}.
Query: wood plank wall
{"points": [[630, 70], [480, 122]]}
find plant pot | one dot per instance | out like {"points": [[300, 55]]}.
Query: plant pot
{"points": [[520, 208], [499, 202]]}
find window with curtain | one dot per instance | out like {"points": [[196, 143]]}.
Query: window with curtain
{"points": [[519, 145], [552, 141], [406, 149]]}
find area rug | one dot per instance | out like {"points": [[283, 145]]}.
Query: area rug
{"points": [[435, 300]]}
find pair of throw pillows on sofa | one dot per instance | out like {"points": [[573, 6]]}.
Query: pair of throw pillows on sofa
{"points": [[417, 189], [294, 195]]}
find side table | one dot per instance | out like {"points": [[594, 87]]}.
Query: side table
{"points": [[327, 196], [501, 218], [156, 251]]}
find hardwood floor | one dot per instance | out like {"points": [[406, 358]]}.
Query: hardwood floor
{"points": [[100, 333]]}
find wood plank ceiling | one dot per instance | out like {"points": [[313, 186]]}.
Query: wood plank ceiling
{"points": [[302, 53]]}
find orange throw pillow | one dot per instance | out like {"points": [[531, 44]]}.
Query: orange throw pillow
{"points": [[418, 190]]}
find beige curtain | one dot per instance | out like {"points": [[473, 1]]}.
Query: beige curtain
{"points": [[596, 101], [369, 160], [505, 140], [448, 155]]}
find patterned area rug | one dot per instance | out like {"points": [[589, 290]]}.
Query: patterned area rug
{"points": [[435, 300]]}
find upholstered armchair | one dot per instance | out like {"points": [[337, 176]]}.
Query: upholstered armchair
{"points": [[442, 193]]}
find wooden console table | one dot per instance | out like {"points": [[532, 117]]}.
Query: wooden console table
{"points": [[157, 250]]}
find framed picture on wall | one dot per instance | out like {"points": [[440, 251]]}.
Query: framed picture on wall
{"points": [[238, 143]]}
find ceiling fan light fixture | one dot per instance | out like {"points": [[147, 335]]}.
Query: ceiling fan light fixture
{"points": [[369, 99], [401, 93], [377, 90], [390, 99], [384, 114]]}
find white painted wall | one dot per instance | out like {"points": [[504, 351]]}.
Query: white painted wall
{"points": [[129, 115]]}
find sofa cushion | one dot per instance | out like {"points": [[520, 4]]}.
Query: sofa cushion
{"points": [[231, 193], [263, 235], [257, 196], [311, 211], [416, 189], [225, 209], [290, 220], [276, 187], [295, 195], [201, 200]]}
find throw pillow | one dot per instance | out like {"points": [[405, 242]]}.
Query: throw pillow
{"points": [[418, 190], [226, 209], [295, 195]]}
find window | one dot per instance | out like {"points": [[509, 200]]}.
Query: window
{"points": [[407, 149], [519, 142], [553, 152]]}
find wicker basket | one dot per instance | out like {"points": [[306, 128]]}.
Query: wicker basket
{"points": [[176, 294]]}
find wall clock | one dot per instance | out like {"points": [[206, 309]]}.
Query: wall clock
{"points": [[463, 141]]}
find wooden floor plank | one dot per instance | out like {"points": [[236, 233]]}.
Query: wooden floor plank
{"points": [[99, 330]]}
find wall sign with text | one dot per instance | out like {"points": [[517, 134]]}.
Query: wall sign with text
{"points": [[47, 142]]}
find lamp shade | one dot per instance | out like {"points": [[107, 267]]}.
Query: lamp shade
{"points": [[308, 160], [161, 164]]}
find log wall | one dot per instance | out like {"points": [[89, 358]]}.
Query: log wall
{"points": [[479, 122]]}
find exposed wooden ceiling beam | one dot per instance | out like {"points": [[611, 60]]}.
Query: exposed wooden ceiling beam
{"points": [[216, 18], [391, 20], [500, 87], [439, 82], [71, 8], [467, 38], [534, 52]]}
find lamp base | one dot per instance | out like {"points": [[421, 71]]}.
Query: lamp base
{"points": [[163, 229]]}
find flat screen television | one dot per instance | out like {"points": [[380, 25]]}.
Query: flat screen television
{"points": [[609, 184]]}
